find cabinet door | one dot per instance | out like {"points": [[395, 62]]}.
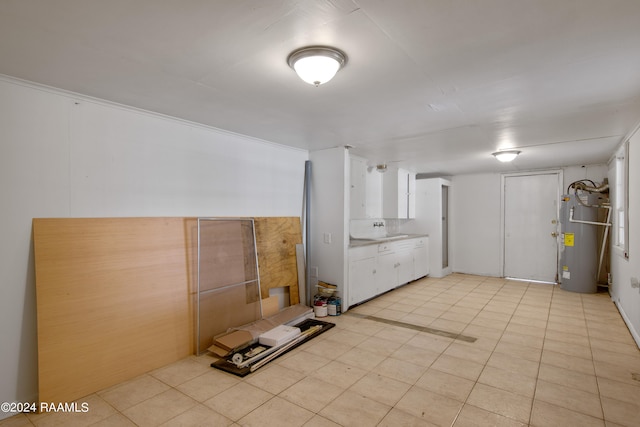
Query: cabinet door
{"points": [[361, 280], [403, 193], [398, 194], [390, 194], [405, 261], [357, 194], [387, 273], [421, 257], [362, 268], [373, 193], [411, 200]]}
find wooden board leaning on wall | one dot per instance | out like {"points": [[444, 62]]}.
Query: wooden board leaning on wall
{"points": [[276, 240], [115, 295]]}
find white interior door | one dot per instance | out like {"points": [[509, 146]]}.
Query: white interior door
{"points": [[530, 226]]}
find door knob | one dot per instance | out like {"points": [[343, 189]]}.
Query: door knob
{"points": [[554, 234]]}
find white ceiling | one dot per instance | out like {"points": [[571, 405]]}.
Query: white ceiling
{"points": [[435, 84]]}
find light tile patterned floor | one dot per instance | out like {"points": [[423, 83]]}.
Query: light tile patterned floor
{"points": [[542, 357]]}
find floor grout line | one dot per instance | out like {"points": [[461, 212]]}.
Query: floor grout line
{"points": [[426, 329], [513, 306]]}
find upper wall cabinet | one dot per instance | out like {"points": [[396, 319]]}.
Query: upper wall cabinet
{"points": [[357, 188], [365, 190], [399, 194]]}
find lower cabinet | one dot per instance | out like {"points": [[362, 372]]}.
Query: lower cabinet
{"points": [[421, 256], [377, 268], [405, 264], [362, 271], [386, 274]]}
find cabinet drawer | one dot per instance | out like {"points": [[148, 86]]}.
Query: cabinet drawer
{"points": [[404, 245], [420, 242], [362, 252], [385, 247]]}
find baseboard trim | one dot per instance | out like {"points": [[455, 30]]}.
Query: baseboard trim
{"points": [[634, 333]]}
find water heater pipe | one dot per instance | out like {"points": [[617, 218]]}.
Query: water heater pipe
{"points": [[604, 240], [579, 221], [606, 231], [599, 189]]}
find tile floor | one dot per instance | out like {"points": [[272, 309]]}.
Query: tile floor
{"points": [[542, 357]]}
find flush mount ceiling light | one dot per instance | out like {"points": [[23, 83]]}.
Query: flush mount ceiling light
{"points": [[506, 155], [317, 64], [382, 168]]}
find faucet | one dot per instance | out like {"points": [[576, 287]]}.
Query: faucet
{"points": [[378, 224]]}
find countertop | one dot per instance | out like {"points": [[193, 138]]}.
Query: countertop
{"points": [[354, 243]]}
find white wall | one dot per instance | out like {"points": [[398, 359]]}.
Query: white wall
{"points": [[596, 173], [63, 155], [475, 224], [475, 218], [623, 270]]}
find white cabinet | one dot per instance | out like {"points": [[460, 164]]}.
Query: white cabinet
{"points": [[357, 192], [377, 268], [398, 194], [372, 271], [387, 276], [361, 280], [362, 270], [405, 265], [411, 197], [373, 190], [365, 190], [380, 195], [420, 253]]}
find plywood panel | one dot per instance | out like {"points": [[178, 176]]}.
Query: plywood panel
{"points": [[276, 240], [113, 301]]}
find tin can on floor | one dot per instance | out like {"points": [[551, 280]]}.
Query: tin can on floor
{"points": [[334, 306], [320, 308]]}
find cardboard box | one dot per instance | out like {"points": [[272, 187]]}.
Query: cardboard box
{"points": [[233, 339]]}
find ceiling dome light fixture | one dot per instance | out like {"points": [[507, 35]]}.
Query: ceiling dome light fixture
{"points": [[317, 64], [506, 155], [382, 167]]}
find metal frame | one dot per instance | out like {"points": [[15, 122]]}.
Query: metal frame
{"points": [[257, 280]]}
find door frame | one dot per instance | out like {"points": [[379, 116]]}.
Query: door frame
{"points": [[560, 190]]}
